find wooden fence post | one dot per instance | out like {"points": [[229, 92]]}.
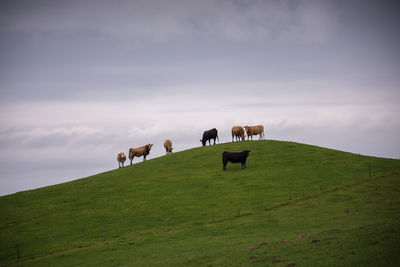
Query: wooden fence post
{"points": [[369, 169], [17, 251]]}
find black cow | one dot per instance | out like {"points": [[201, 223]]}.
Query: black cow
{"points": [[235, 157], [208, 135]]}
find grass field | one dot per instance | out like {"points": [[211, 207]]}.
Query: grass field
{"points": [[294, 204]]}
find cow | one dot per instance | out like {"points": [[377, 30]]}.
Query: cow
{"points": [[139, 151], [168, 146], [235, 157], [208, 135], [121, 159], [254, 130], [238, 132]]}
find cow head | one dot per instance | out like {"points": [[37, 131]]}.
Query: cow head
{"points": [[203, 142], [148, 147], [246, 128], [246, 152]]}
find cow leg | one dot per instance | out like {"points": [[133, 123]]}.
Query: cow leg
{"points": [[144, 157], [131, 160], [224, 163]]}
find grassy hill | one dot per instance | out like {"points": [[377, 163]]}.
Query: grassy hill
{"points": [[294, 203]]}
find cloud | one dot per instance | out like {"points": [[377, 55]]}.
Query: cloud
{"points": [[42, 138], [264, 20], [124, 123], [166, 20]]}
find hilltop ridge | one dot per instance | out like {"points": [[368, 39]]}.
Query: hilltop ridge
{"points": [[183, 209]]}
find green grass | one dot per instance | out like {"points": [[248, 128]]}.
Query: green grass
{"points": [[294, 203]]}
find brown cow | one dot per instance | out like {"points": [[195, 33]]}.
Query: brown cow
{"points": [[168, 146], [139, 151], [237, 132], [254, 130], [121, 159]]}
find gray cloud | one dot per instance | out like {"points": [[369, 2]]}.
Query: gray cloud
{"points": [[44, 137], [161, 21], [87, 49]]}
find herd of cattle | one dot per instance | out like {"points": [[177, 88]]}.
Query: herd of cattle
{"points": [[238, 132]]}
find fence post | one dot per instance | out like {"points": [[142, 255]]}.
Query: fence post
{"points": [[16, 246], [369, 169]]}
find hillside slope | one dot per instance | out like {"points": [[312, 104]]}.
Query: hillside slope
{"points": [[294, 203]]}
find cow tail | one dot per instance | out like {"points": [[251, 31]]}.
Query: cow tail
{"points": [[217, 138]]}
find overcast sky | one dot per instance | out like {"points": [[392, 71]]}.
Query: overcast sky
{"points": [[81, 81]]}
